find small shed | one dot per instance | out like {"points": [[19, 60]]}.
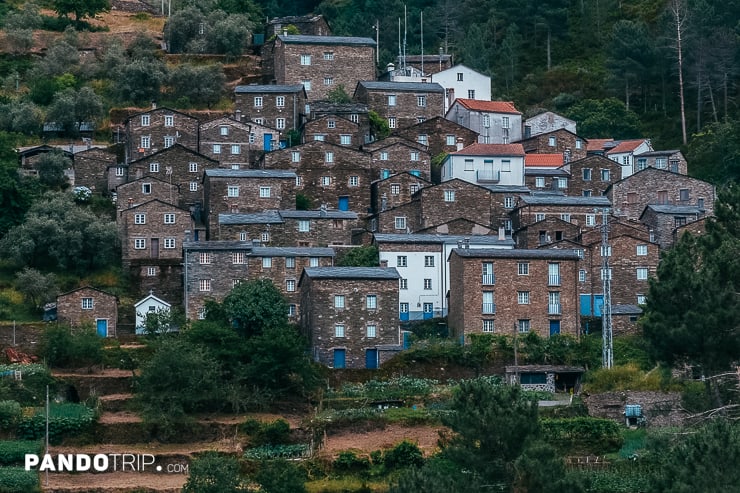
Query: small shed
{"points": [[89, 305], [146, 306], [548, 378]]}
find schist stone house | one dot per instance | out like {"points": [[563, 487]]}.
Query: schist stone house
{"points": [[577, 210], [402, 104], [91, 169], [394, 155], [513, 291], [591, 176], [395, 190], [213, 268], [356, 113], [229, 141], [350, 315], [282, 107], [151, 131], [88, 305], [561, 141], [496, 122], [439, 135]]}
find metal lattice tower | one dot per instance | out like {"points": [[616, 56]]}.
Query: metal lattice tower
{"points": [[607, 353]]}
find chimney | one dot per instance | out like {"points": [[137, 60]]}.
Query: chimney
{"points": [[322, 210], [285, 32], [466, 243], [187, 235], [459, 144], [390, 67], [501, 233], [384, 264], [154, 104], [238, 115]]}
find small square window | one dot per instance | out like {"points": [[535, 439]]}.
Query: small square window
{"points": [[345, 139], [522, 297], [371, 302], [145, 120], [305, 59], [290, 262], [217, 148], [202, 313], [642, 250], [139, 218], [339, 331], [169, 141], [265, 237], [429, 261], [169, 218], [280, 101], [237, 258], [539, 182], [509, 202], [170, 243], [313, 261], [400, 222], [193, 167], [87, 303], [523, 268], [154, 167], [427, 284], [339, 301], [395, 189], [258, 102], [223, 130], [232, 191], [205, 258], [450, 140], [290, 285], [371, 331], [304, 225], [449, 195], [354, 181], [265, 192], [328, 55], [139, 243], [193, 186], [119, 171], [204, 285], [488, 326], [236, 149], [642, 273], [401, 261], [328, 81], [151, 271], [266, 262], [326, 181], [524, 326]]}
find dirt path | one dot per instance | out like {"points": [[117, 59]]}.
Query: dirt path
{"points": [[116, 482], [424, 436]]}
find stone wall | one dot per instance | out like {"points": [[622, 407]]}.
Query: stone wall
{"points": [[659, 408]]}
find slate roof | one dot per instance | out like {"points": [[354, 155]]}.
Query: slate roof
{"points": [[626, 310], [271, 88], [436, 238], [489, 106], [516, 253], [250, 173], [553, 199], [544, 369], [292, 252], [669, 152], [217, 245], [506, 188], [325, 40], [491, 150], [372, 85], [545, 171], [335, 108], [352, 273], [675, 209], [266, 217], [331, 214]]}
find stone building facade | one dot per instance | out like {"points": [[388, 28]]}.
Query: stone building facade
{"points": [[402, 104], [591, 176], [152, 131], [440, 135], [88, 305], [662, 220], [355, 112], [396, 155], [495, 122], [560, 141], [513, 291], [395, 190], [350, 315], [549, 230], [671, 160], [334, 130], [91, 169], [581, 211], [282, 107], [213, 268], [228, 141], [145, 189]]}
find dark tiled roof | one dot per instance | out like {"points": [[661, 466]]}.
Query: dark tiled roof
{"points": [[552, 199], [516, 253], [675, 209], [250, 173], [506, 188], [434, 238], [402, 86], [217, 245], [272, 88], [325, 40], [626, 310], [352, 273], [331, 214], [658, 153], [292, 252], [545, 172], [335, 108], [544, 369], [272, 217]]}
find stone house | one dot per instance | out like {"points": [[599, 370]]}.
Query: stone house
{"points": [[672, 160], [228, 141], [495, 122], [541, 179], [547, 122], [282, 107], [116, 175], [560, 141], [421, 261], [441, 136], [513, 291], [334, 130], [501, 164], [591, 176], [653, 186], [177, 165], [395, 190], [402, 104], [395, 155], [663, 219], [354, 112], [625, 151], [546, 378], [145, 189], [311, 24], [350, 315], [319, 63], [461, 81], [695, 228], [246, 190], [88, 305], [213, 268], [91, 169], [624, 319], [581, 211], [328, 174], [431, 63], [316, 228], [157, 129], [551, 229]]}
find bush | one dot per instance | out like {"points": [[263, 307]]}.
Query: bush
{"points": [[64, 348], [584, 434], [18, 480], [349, 462], [13, 452], [274, 433], [269, 452], [10, 415], [405, 454]]}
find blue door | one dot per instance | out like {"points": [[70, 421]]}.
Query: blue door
{"points": [[428, 310], [339, 358], [371, 359], [102, 327], [554, 327], [343, 203], [267, 143]]}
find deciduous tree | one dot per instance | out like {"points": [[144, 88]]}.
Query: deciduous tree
{"points": [[81, 8]]}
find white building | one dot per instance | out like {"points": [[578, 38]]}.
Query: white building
{"points": [[486, 164], [421, 260], [149, 305], [497, 122], [547, 122], [625, 151], [463, 82]]}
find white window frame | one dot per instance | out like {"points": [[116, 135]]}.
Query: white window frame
{"points": [[642, 273], [265, 192], [295, 156], [400, 222], [304, 225], [522, 297], [371, 331], [522, 268], [339, 301], [329, 157], [258, 101], [170, 243], [154, 167], [305, 59], [139, 243], [339, 331], [421, 101], [371, 301], [267, 262], [169, 218], [205, 258], [169, 141], [280, 101], [146, 120], [87, 303], [345, 139], [232, 191], [391, 122], [204, 285], [449, 195], [223, 130], [216, 149], [193, 186], [140, 218], [290, 285], [280, 123]]}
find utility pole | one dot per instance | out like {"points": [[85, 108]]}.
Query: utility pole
{"points": [[607, 354]]}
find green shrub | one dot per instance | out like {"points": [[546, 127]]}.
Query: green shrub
{"points": [[273, 433], [64, 419], [18, 480], [405, 454], [265, 452], [349, 462], [13, 452], [64, 348], [695, 398], [583, 434], [10, 415]]}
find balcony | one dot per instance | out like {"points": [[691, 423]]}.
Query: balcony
{"points": [[487, 176], [489, 279], [553, 309], [553, 280], [489, 308]]}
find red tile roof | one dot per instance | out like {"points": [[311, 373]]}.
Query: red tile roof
{"points": [[489, 106], [492, 150], [543, 160], [626, 146], [597, 144]]}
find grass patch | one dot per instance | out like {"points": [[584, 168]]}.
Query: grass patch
{"points": [[347, 484], [634, 441]]}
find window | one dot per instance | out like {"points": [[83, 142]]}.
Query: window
{"points": [[524, 326], [562, 183], [403, 284], [204, 285], [586, 174], [661, 162], [119, 171], [169, 218], [371, 331], [205, 258], [539, 217], [169, 243], [305, 59], [154, 167], [505, 165], [395, 189], [265, 237], [345, 139], [151, 271], [313, 262], [586, 193], [326, 181], [243, 236], [423, 139], [683, 195], [605, 175], [295, 156], [339, 331], [232, 191], [700, 204], [145, 120], [507, 225], [509, 202], [328, 81], [319, 137], [202, 313], [306, 84], [193, 186], [400, 222], [449, 195], [259, 120], [421, 100], [237, 257], [642, 250], [579, 144], [328, 55], [642, 273], [290, 262], [459, 76], [551, 142], [469, 165], [488, 326], [414, 156], [265, 192], [413, 188], [371, 302], [401, 261], [450, 140], [304, 225], [553, 274], [488, 277], [280, 123], [338, 301], [565, 217], [429, 261], [87, 303], [354, 118], [523, 268], [522, 297], [582, 275], [290, 285], [427, 284], [383, 155], [403, 308], [590, 219], [266, 262], [169, 141], [428, 308], [258, 101], [329, 157], [505, 122], [354, 181], [139, 218], [223, 130], [280, 101], [391, 100], [471, 93], [641, 163], [539, 182], [217, 148], [486, 120], [236, 149], [391, 122], [641, 299]]}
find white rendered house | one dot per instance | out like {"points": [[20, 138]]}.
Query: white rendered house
{"points": [[149, 305], [463, 82], [486, 164]]}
